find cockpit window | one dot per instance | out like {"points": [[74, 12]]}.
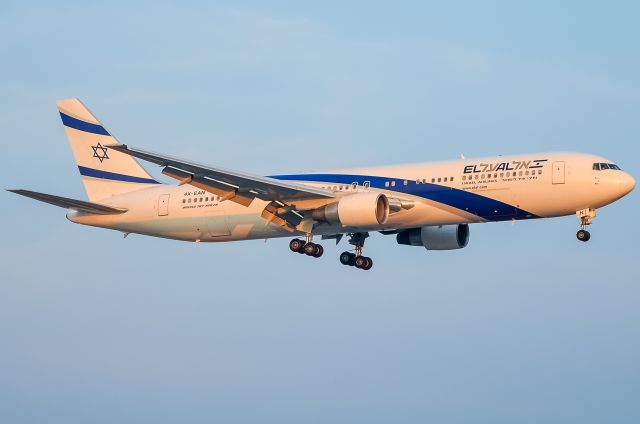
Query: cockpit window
{"points": [[603, 166]]}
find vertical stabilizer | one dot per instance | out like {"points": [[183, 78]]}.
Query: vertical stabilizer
{"points": [[105, 172]]}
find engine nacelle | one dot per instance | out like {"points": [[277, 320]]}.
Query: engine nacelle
{"points": [[441, 237], [355, 210]]}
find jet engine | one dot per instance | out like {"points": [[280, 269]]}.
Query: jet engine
{"points": [[355, 210], [441, 237]]}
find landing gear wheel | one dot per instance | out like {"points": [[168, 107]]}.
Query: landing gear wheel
{"points": [[368, 265], [361, 262], [583, 235], [319, 251], [310, 249], [347, 258], [296, 245]]}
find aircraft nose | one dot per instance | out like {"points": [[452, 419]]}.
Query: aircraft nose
{"points": [[626, 184]]}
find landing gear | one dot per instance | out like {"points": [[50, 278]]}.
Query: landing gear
{"points": [[583, 235], [296, 245], [585, 215], [306, 247], [348, 258], [356, 259], [363, 262]]}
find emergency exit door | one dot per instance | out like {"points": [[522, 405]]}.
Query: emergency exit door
{"points": [[163, 205], [558, 173]]}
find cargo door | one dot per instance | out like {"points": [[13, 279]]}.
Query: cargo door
{"points": [[558, 173], [217, 221], [163, 205]]}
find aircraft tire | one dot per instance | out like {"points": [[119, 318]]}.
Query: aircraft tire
{"points": [[583, 235]]}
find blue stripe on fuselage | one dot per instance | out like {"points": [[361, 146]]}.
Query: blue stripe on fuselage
{"points": [[484, 207], [96, 173], [71, 122]]}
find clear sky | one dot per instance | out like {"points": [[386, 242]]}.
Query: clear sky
{"points": [[525, 325]]}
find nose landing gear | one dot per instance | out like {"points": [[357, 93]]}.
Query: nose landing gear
{"points": [[585, 215], [583, 235]]}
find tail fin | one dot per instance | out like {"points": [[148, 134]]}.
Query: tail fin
{"points": [[104, 171]]}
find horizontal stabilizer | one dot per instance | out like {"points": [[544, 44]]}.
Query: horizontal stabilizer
{"points": [[64, 202]]}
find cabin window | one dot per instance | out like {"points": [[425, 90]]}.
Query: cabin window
{"points": [[393, 183], [433, 180], [386, 183], [539, 171], [451, 179], [445, 179]]}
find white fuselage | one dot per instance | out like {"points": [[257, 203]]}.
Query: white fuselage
{"points": [[453, 192]]}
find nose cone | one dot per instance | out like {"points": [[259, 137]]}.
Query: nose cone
{"points": [[626, 184]]}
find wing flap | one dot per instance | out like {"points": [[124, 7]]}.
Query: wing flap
{"points": [[225, 191], [65, 202]]}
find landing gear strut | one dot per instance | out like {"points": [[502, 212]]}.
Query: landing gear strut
{"points": [[356, 259], [306, 246], [585, 215]]}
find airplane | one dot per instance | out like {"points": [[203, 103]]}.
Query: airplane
{"points": [[427, 204]]}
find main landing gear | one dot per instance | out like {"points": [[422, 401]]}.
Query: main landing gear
{"points": [[356, 259], [585, 215], [306, 247]]}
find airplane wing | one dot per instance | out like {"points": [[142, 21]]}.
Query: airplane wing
{"points": [[244, 185], [235, 186], [64, 202]]}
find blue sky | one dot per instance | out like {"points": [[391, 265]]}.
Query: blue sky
{"points": [[524, 325]]}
